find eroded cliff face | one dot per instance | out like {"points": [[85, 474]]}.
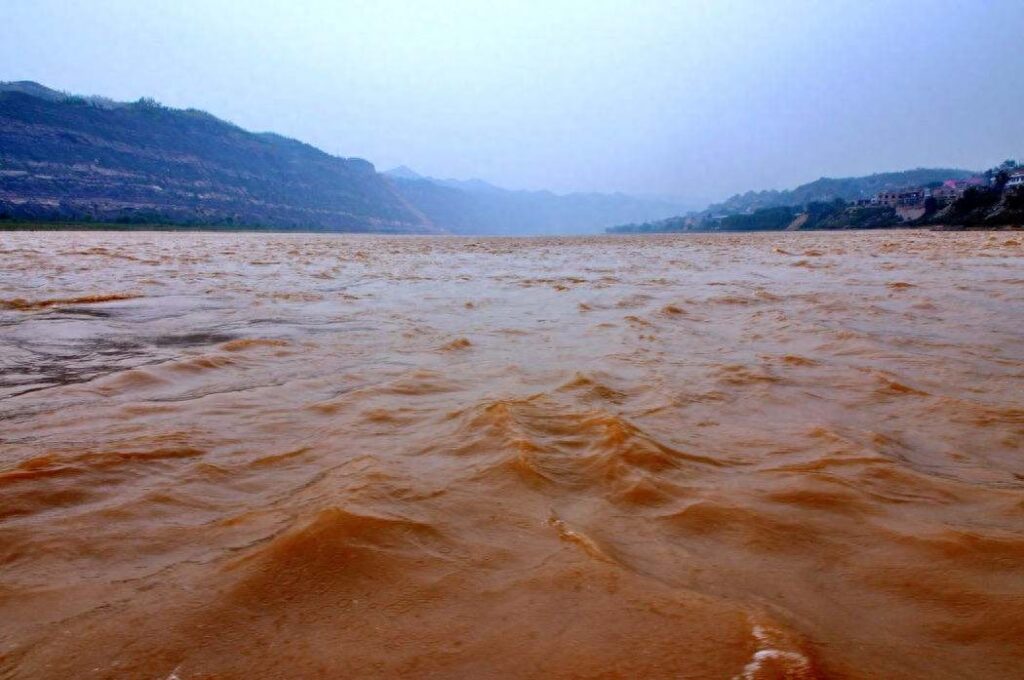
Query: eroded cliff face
{"points": [[69, 158], [984, 208]]}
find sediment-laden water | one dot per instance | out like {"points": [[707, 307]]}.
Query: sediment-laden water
{"points": [[722, 456]]}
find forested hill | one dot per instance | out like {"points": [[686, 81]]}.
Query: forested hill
{"points": [[74, 158], [828, 189]]}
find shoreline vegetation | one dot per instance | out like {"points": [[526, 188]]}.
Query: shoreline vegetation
{"points": [[990, 200]]}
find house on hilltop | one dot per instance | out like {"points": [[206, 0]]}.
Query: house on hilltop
{"points": [[950, 190], [887, 198], [907, 197]]}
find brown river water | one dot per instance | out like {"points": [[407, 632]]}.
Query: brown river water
{"points": [[793, 455]]}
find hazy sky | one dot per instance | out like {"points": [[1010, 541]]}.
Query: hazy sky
{"points": [[695, 99]]}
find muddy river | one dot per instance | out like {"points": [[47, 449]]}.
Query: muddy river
{"points": [[228, 456]]}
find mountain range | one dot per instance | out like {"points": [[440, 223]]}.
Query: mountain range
{"points": [[69, 157], [475, 206]]}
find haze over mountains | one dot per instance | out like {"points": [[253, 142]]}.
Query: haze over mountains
{"points": [[476, 206], [68, 157], [92, 159]]}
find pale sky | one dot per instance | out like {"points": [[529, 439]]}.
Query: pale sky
{"points": [[695, 99]]}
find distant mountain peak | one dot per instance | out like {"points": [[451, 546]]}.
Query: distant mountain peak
{"points": [[473, 184], [404, 172]]}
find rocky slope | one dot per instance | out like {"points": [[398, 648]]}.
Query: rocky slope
{"points": [[982, 207], [71, 158], [67, 157]]}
